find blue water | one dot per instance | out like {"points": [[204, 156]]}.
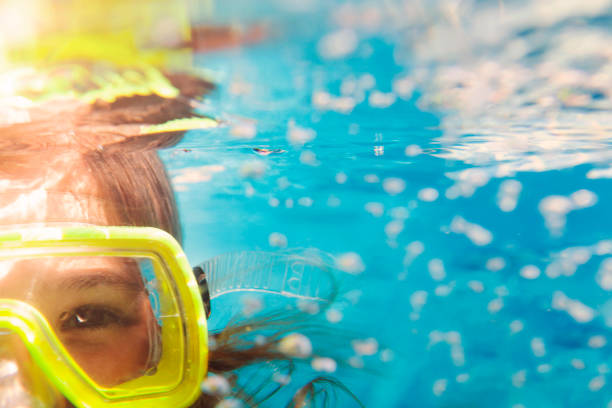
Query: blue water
{"points": [[488, 293]]}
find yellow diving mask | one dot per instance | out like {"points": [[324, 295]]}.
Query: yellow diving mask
{"points": [[110, 316], [116, 317]]}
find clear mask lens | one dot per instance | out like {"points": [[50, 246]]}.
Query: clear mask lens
{"points": [[107, 311]]}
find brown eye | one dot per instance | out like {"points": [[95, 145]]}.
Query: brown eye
{"points": [[89, 317]]}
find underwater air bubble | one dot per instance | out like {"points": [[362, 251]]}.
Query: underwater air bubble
{"points": [[251, 305], [230, 403], [519, 378], [516, 326], [462, 378], [507, 196], [278, 240], [475, 233], [578, 364], [337, 44], [365, 347], [309, 158], [282, 379], [324, 364], [428, 194], [436, 269], [371, 178], [244, 130], [495, 305], [308, 306], [583, 199], [305, 201], [439, 386], [597, 383], [394, 185], [403, 87], [381, 100], [604, 274], [333, 315], [413, 150], [216, 385], [476, 286], [299, 136], [544, 368], [350, 262], [576, 309], [374, 208], [341, 177], [537, 347], [387, 355], [295, 345], [495, 264], [597, 341], [253, 169], [530, 272]]}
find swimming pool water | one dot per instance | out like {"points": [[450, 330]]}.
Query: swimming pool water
{"points": [[459, 152]]}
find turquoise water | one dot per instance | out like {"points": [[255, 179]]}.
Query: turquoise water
{"points": [[455, 157]]}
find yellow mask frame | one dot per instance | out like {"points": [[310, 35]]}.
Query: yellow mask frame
{"points": [[184, 361]]}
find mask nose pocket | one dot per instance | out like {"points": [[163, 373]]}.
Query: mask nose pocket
{"points": [[22, 384]]}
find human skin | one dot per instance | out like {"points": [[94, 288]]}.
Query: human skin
{"points": [[98, 307]]}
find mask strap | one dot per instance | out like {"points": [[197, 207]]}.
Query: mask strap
{"points": [[304, 276]]}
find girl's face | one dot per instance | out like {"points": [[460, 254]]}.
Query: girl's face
{"points": [[98, 307]]}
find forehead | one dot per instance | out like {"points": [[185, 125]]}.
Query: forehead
{"points": [[55, 188]]}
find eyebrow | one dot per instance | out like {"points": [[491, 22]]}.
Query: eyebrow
{"points": [[90, 280]]}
